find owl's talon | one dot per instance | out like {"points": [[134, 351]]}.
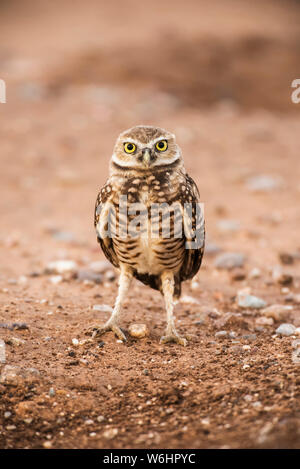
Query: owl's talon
{"points": [[97, 331], [173, 338]]}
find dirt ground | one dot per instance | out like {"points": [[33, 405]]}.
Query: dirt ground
{"points": [[221, 82]]}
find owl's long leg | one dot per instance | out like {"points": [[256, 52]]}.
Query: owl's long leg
{"points": [[167, 279], [112, 324]]}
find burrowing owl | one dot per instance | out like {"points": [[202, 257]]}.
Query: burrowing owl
{"points": [[148, 220]]}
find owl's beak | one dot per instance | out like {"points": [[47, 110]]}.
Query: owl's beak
{"points": [[146, 157]]}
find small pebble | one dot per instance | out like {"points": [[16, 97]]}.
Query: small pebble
{"points": [[100, 419], [246, 300], [89, 422], [2, 351], [221, 334], [55, 279], [7, 414], [263, 183], [255, 273], [264, 321], [257, 405], [229, 260], [189, 300], [110, 434], [232, 335], [61, 266], [16, 341], [249, 337], [228, 226], [47, 444], [11, 427], [286, 329], [138, 330], [103, 308], [92, 276], [51, 392], [277, 312]]}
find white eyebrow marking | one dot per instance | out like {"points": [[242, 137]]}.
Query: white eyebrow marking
{"points": [[154, 140], [131, 140]]}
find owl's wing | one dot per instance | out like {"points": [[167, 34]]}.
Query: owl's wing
{"points": [[101, 222], [194, 232]]}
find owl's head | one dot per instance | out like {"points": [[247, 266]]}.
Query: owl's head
{"points": [[145, 148]]}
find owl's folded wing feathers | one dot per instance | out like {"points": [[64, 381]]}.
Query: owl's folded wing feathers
{"points": [[101, 221], [194, 233]]}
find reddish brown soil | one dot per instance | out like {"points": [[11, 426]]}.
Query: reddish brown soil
{"points": [[57, 132]]}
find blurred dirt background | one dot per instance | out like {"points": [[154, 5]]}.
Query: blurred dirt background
{"points": [[218, 74]]}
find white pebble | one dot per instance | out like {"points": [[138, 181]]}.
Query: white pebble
{"points": [[286, 329], [138, 330], [55, 279], [111, 433], [189, 300], [61, 266], [103, 308]]}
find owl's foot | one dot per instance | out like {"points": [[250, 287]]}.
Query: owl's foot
{"points": [[97, 331], [174, 337]]}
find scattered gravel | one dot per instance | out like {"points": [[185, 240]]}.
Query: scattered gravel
{"points": [[16, 376]]}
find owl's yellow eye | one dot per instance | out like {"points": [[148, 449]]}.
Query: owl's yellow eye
{"points": [[162, 145], [129, 147]]}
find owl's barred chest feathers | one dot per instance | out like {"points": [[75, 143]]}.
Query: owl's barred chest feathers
{"points": [[152, 250]]}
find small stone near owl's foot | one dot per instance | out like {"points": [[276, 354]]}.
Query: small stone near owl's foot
{"points": [[173, 338], [97, 331]]}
